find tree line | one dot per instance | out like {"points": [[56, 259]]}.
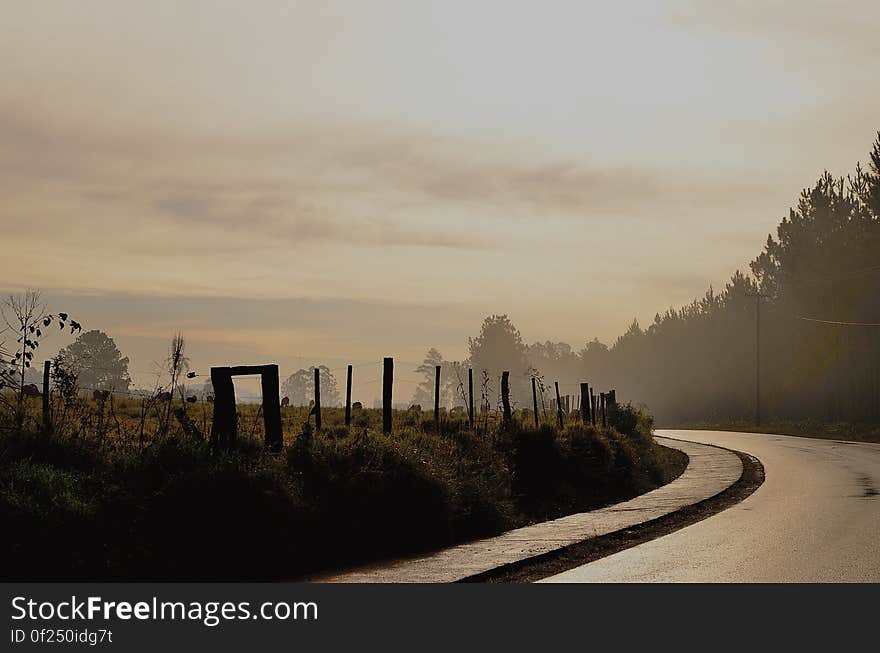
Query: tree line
{"points": [[799, 334]]}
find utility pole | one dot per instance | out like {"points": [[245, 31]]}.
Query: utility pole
{"points": [[758, 359], [758, 297]]}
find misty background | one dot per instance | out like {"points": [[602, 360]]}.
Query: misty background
{"points": [[327, 183]]}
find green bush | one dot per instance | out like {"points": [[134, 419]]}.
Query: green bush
{"points": [[536, 461], [370, 492], [408, 491], [49, 518]]}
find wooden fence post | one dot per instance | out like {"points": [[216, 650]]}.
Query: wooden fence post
{"points": [[317, 399], [558, 406], [612, 396], [348, 399], [505, 397], [604, 420], [269, 384], [437, 398], [47, 409], [471, 396], [387, 383], [535, 400], [593, 415], [585, 405], [224, 429]]}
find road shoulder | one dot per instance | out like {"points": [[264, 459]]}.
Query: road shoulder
{"points": [[523, 554]]}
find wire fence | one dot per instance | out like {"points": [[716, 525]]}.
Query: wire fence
{"points": [[133, 426], [367, 391]]}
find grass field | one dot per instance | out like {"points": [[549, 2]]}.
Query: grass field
{"points": [[124, 422], [110, 494]]}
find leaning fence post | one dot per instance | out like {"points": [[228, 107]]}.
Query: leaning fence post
{"points": [[317, 399], [387, 382], [505, 397], [558, 405], [437, 398], [348, 398], [535, 400], [585, 403], [471, 396], [47, 412]]}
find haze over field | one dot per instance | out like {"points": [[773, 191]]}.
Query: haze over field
{"points": [[336, 181]]}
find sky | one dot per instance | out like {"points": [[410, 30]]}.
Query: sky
{"points": [[332, 182]]}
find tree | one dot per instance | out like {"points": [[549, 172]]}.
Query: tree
{"points": [[828, 237], [97, 362], [299, 387], [25, 315], [632, 336], [424, 393], [593, 348], [867, 183], [499, 347], [453, 380]]}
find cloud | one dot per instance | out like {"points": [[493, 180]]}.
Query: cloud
{"points": [[289, 220], [343, 183], [296, 187], [847, 29]]}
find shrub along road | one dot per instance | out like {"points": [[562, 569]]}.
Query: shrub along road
{"points": [[710, 471], [814, 519]]}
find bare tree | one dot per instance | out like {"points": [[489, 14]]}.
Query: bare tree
{"points": [[177, 365], [459, 390], [25, 315], [535, 373], [485, 401]]}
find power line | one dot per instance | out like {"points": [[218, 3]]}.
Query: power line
{"points": [[838, 323]]}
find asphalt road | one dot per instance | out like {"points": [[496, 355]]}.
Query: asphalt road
{"points": [[816, 518]]}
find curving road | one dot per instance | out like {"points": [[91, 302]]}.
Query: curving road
{"points": [[816, 518]]}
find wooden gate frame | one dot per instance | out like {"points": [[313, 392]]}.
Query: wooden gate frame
{"points": [[224, 430]]}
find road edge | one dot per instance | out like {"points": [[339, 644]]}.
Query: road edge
{"points": [[580, 553]]}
